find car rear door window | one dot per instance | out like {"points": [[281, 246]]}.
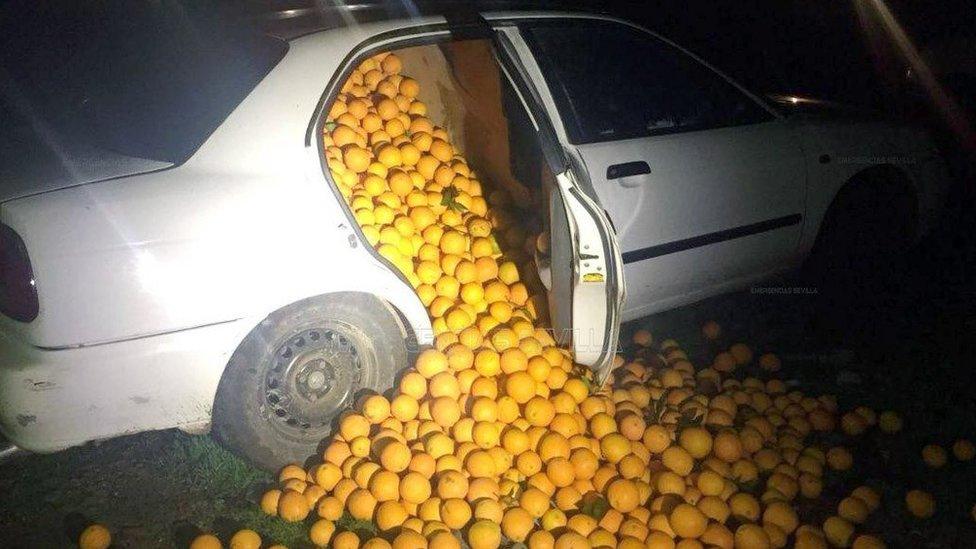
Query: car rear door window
{"points": [[142, 79], [611, 81]]}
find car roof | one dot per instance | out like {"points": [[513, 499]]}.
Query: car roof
{"points": [[293, 20]]}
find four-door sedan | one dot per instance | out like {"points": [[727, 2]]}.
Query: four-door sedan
{"points": [[187, 261]]}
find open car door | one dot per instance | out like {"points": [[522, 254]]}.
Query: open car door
{"points": [[584, 280], [577, 255]]}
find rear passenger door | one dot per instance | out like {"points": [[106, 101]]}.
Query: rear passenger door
{"points": [[577, 254], [704, 184]]}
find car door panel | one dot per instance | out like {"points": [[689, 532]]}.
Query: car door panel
{"points": [[701, 190], [732, 191], [580, 261]]}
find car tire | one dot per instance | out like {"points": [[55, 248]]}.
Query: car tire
{"points": [[871, 222], [286, 384]]}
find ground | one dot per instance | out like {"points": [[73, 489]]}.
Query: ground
{"points": [[902, 341]]}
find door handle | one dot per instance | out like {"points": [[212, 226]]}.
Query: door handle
{"points": [[616, 171]]}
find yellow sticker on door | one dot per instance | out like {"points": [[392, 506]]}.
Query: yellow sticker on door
{"points": [[593, 277]]}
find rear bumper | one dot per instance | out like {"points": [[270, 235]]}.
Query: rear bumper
{"points": [[54, 399]]}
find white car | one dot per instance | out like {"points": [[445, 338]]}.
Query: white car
{"points": [[206, 270]]}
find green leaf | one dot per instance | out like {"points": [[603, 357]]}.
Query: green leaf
{"points": [[589, 385], [596, 508], [448, 199]]}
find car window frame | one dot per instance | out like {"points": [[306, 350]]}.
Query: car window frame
{"points": [[415, 35], [565, 109]]}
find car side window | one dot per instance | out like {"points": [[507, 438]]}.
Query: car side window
{"points": [[611, 81]]}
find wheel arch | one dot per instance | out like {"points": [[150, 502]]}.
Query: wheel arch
{"points": [[416, 335], [235, 416], [878, 177]]}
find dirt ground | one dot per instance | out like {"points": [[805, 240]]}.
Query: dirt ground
{"points": [[902, 341]]}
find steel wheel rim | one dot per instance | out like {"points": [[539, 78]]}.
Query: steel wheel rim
{"points": [[314, 374]]}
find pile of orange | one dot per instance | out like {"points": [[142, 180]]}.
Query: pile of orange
{"points": [[495, 437]]}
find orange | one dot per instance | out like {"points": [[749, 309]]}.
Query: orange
{"points": [[487, 362], [751, 536], [623, 495], [560, 472], [460, 357], [414, 488], [377, 543], [838, 531], [269, 501], [584, 462], [486, 434], [572, 540], [514, 360], [515, 441], [615, 446], [385, 486], [487, 269], [395, 456], [443, 540], [444, 384], [451, 484], [534, 501], [361, 504], [479, 463], [687, 521], [409, 539], [375, 408], [409, 87], [539, 411], [390, 515], [430, 363], [853, 509], [445, 411], [517, 523], [97, 536], [320, 533], [520, 386], [484, 534], [934, 456], [413, 384], [504, 338], [553, 445], [577, 389], [455, 513], [345, 540], [441, 150], [292, 506], [632, 426], [541, 539], [353, 425], [920, 503], [356, 158], [206, 541], [678, 460], [453, 242], [489, 509], [330, 508], [697, 441], [404, 407]]}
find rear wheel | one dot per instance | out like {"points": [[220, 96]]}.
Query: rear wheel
{"points": [[287, 382], [863, 238], [870, 223]]}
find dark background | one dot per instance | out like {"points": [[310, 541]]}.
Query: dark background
{"points": [[905, 340]]}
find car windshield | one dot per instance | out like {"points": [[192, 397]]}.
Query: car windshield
{"points": [[149, 80]]}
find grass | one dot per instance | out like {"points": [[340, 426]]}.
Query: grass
{"points": [[161, 489], [215, 469]]}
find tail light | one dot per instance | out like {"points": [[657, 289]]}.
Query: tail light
{"points": [[18, 294]]}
